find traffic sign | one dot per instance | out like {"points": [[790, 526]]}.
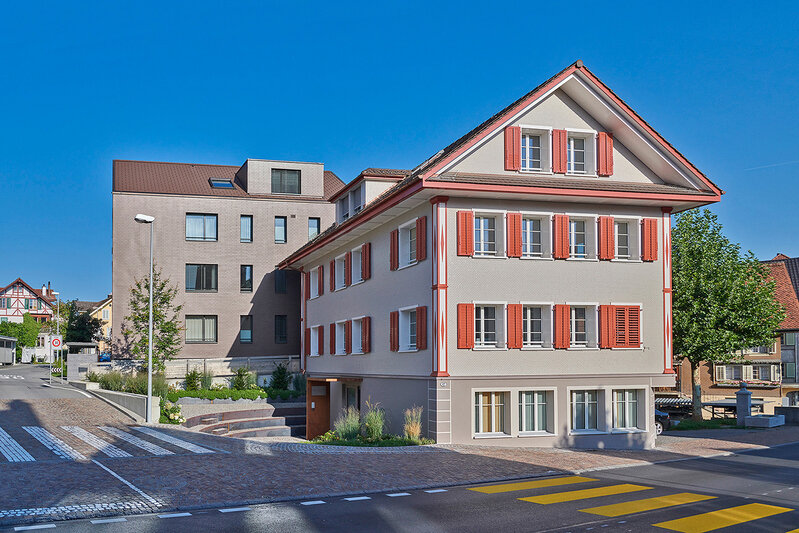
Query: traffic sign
{"points": [[56, 342]]}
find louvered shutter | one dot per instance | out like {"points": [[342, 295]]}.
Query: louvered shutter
{"points": [[513, 154], [561, 237], [465, 233], [307, 341], [348, 337], [562, 326], [719, 371], [307, 277], [607, 326], [366, 334], [332, 275], [650, 239], [465, 326], [321, 340], [366, 261], [514, 325], [394, 258], [604, 154], [348, 269], [320, 280], [634, 327], [332, 339], [394, 331], [421, 238], [514, 221], [607, 238], [746, 373], [421, 328], [559, 165]]}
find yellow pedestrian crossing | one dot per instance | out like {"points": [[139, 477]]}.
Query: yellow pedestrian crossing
{"points": [[722, 518], [649, 504], [574, 495], [537, 484]]}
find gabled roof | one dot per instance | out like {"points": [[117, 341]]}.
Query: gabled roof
{"points": [[785, 273], [191, 179], [393, 174], [38, 292]]}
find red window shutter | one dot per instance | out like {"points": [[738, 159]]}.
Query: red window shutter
{"points": [[465, 233], [514, 325], [561, 237], [421, 238], [650, 240], [348, 337], [628, 327], [332, 339], [394, 331], [332, 275], [604, 154], [421, 328], [466, 326], [321, 340], [514, 234], [320, 280], [394, 259], [513, 153], [607, 326], [307, 341], [562, 326], [559, 151], [348, 269], [620, 327], [607, 238], [307, 277], [366, 334], [366, 260]]}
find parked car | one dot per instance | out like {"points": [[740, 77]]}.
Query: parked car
{"points": [[662, 421], [104, 358]]}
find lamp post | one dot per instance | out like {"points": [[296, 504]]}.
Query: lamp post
{"points": [[147, 219], [58, 329]]}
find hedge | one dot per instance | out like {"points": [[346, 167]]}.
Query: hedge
{"points": [[232, 394]]}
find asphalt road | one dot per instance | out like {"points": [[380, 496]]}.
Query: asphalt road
{"points": [[31, 382], [750, 492]]}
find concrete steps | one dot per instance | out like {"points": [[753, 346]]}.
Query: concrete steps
{"points": [[271, 421]]}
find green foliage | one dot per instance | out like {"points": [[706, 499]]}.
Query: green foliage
{"points": [[81, 327], [713, 423], [232, 394], [206, 380], [170, 413], [133, 383], [374, 421], [331, 438], [93, 376], [280, 377], [193, 380], [723, 299], [167, 326], [348, 425], [413, 424], [113, 380], [298, 382], [243, 379], [26, 332]]}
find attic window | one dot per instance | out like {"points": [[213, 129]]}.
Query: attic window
{"points": [[220, 183]]}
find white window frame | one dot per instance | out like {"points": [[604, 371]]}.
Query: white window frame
{"points": [[500, 323], [546, 148], [634, 236], [550, 408], [591, 325], [477, 417], [590, 151], [357, 335], [343, 208], [355, 262], [500, 232], [405, 315], [406, 247], [640, 422], [547, 325], [316, 349], [546, 234], [313, 282], [341, 344], [591, 236], [341, 268], [601, 410]]}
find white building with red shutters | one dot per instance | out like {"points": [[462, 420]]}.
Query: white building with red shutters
{"points": [[516, 285], [18, 298]]}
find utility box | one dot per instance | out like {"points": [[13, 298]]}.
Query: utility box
{"points": [[8, 350]]}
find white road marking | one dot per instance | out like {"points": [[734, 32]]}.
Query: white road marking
{"points": [[136, 505], [172, 440], [108, 520], [136, 441], [129, 484], [96, 442], [313, 502], [38, 526], [12, 450], [234, 510], [173, 515], [53, 443], [11, 376], [357, 498], [433, 491], [398, 494]]}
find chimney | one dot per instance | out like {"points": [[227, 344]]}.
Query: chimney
{"points": [[49, 290], [44, 291]]}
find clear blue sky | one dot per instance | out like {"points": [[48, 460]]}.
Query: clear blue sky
{"points": [[364, 85]]}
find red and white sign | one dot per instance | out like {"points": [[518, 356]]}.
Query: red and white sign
{"points": [[56, 342]]}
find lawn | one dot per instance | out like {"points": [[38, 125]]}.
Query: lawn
{"points": [[713, 423]]}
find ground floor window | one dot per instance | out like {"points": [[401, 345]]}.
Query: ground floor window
{"points": [[584, 409], [489, 412], [200, 328], [532, 411], [625, 409]]}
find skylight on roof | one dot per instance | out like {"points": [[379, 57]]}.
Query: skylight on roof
{"points": [[220, 183]]}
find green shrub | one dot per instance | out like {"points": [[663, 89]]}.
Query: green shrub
{"points": [[93, 376], [243, 379], [192, 381], [280, 377], [298, 382], [170, 413], [374, 421], [113, 381], [232, 394], [413, 423], [348, 425], [206, 380]]}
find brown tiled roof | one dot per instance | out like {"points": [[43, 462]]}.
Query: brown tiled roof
{"points": [[785, 292], [86, 307], [37, 292], [387, 172], [564, 183], [191, 179]]}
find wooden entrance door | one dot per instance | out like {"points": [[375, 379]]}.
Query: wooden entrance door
{"points": [[317, 421]]}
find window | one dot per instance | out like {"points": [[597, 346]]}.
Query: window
{"points": [[575, 153], [201, 278], [355, 262], [285, 181], [765, 349], [579, 330], [531, 237], [313, 282], [356, 199], [316, 347], [734, 372], [770, 373], [340, 264], [281, 329], [106, 314], [532, 327], [789, 338], [280, 282], [407, 331], [532, 411], [246, 278], [485, 326], [531, 151], [622, 240], [485, 238], [280, 230], [625, 409], [342, 206], [577, 239], [246, 228], [200, 329], [245, 331], [357, 339], [220, 183], [489, 412], [341, 348], [790, 371], [407, 244], [314, 227], [627, 238], [201, 227], [584, 409]]}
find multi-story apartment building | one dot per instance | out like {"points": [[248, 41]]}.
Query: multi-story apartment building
{"points": [[517, 284], [219, 231], [101, 311], [18, 298]]}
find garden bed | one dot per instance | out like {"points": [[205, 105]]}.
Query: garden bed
{"points": [[331, 439], [228, 395]]}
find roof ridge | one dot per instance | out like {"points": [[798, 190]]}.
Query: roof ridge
{"points": [[174, 163]]}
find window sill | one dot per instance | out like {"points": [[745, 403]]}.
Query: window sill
{"points": [[356, 283], [582, 259], [491, 435], [626, 430], [582, 348], [201, 342], [537, 348], [249, 291], [622, 260], [489, 348], [337, 289], [407, 265], [581, 174], [201, 240], [639, 348], [314, 297], [489, 256], [587, 432], [540, 171], [280, 242], [187, 292], [357, 353], [408, 350], [523, 434], [537, 258]]}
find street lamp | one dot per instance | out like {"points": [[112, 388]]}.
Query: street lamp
{"points": [[58, 329], [147, 219]]}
